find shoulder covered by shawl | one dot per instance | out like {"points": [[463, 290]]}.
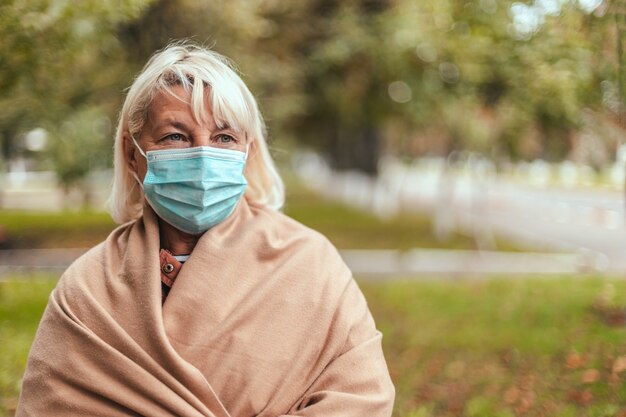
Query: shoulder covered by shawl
{"points": [[259, 242], [263, 319], [282, 235]]}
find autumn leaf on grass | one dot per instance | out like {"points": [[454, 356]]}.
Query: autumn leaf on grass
{"points": [[590, 376], [526, 402], [574, 360], [619, 365], [10, 403], [511, 395], [582, 398]]}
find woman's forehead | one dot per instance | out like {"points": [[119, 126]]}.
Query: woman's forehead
{"points": [[176, 98], [176, 104]]}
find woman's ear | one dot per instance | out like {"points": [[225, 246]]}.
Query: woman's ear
{"points": [[129, 152], [251, 148], [252, 166]]}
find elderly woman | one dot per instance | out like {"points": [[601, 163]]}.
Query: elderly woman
{"points": [[203, 303]]}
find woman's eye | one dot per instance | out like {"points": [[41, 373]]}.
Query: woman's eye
{"points": [[225, 139], [175, 137]]}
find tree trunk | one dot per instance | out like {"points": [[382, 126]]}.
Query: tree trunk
{"points": [[6, 151], [87, 196], [356, 149], [6, 147]]}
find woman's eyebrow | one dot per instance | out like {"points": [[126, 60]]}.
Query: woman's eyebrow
{"points": [[172, 123], [222, 125], [169, 122]]}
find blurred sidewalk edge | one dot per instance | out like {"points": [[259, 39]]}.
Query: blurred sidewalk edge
{"points": [[371, 264]]}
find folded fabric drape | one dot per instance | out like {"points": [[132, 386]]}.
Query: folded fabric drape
{"points": [[264, 320]]}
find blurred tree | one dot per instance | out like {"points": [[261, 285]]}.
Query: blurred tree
{"points": [[265, 38], [55, 57], [617, 10], [312, 64], [78, 145], [346, 81], [608, 30], [494, 79], [352, 78]]}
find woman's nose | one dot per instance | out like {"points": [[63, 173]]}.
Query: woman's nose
{"points": [[203, 139]]}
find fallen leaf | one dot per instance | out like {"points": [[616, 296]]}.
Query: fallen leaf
{"points": [[590, 376], [527, 382], [511, 395], [614, 380], [528, 399], [523, 407], [582, 398], [574, 360], [10, 403], [613, 316], [619, 365]]}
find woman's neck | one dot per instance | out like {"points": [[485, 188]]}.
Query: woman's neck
{"points": [[175, 241]]}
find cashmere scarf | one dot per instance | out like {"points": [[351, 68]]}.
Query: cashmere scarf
{"points": [[264, 320]]}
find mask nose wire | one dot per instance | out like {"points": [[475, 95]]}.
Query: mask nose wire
{"points": [[145, 156]]}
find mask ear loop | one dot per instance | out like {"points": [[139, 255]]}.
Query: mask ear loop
{"points": [[139, 147], [247, 149], [142, 154]]}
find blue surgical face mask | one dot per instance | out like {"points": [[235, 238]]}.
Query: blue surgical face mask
{"points": [[194, 189]]}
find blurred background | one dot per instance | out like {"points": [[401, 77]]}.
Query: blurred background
{"points": [[466, 157]]}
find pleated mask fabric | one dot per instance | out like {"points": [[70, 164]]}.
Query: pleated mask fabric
{"points": [[194, 189]]}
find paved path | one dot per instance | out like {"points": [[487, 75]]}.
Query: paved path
{"points": [[589, 224], [588, 220], [372, 264], [37, 260]]}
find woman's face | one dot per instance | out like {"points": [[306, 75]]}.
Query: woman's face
{"points": [[171, 125]]}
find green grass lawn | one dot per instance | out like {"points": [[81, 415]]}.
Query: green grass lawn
{"points": [[70, 229], [346, 227], [349, 228], [519, 347], [21, 306]]}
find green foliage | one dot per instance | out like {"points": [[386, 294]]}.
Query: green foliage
{"points": [[80, 144], [352, 78], [57, 57], [486, 87]]}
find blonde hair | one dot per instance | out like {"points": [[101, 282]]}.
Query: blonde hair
{"points": [[200, 71]]}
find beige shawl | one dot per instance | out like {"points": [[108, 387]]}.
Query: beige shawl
{"points": [[264, 320]]}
